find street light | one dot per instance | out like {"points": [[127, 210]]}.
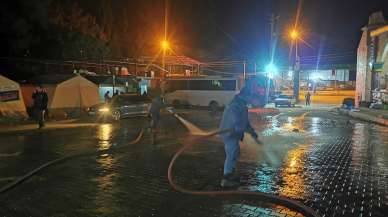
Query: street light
{"points": [[165, 45], [270, 69], [295, 36]]}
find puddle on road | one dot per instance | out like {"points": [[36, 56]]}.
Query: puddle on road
{"points": [[291, 125], [277, 140], [104, 134], [292, 173], [106, 181], [315, 159]]}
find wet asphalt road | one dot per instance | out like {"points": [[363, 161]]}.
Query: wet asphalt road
{"points": [[333, 164]]}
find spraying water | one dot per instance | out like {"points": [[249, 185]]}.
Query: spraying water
{"points": [[271, 148], [194, 130]]}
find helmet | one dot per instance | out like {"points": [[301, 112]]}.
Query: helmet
{"points": [[253, 91], [258, 80]]}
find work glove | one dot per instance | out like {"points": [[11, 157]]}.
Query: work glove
{"points": [[170, 109], [255, 137], [239, 135]]}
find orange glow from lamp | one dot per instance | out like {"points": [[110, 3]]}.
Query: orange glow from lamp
{"points": [[294, 34], [165, 45]]}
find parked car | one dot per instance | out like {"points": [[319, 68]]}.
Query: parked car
{"points": [[274, 95], [286, 100], [348, 103], [122, 106]]}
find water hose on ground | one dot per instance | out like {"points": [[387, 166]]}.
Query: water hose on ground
{"points": [[271, 198], [62, 159]]}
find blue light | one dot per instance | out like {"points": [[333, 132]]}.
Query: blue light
{"points": [[271, 68], [290, 73]]}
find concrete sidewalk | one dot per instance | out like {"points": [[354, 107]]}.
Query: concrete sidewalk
{"points": [[366, 114]]}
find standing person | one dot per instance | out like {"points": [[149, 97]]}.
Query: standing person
{"points": [[45, 104], [107, 97], [235, 118], [40, 105], [308, 98], [154, 111], [116, 93]]}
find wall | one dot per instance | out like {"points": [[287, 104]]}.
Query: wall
{"points": [[363, 75]]}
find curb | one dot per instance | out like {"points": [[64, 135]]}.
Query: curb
{"points": [[364, 117]]}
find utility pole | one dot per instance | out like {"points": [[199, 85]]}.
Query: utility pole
{"points": [[272, 40], [272, 23], [244, 66], [296, 74]]}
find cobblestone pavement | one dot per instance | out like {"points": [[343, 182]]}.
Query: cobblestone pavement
{"points": [[333, 164]]}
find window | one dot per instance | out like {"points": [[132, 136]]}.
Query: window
{"points": [[200, 85], [286, 97], [173, 85], [212, 84], [228, 84], [130, 99]]}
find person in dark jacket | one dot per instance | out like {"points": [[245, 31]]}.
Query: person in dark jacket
{"points": [[107, 97], [156, 105], [40, 105], [308, 98], [116, 93], [235, 119]]}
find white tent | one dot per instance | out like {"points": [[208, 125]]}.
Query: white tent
{"points": [[11, 98], [67, 93], [76, 92]]}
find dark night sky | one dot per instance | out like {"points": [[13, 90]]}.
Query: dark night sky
{"points": [[240, 29]]}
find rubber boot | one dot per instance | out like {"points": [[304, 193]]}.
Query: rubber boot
{"points": [[230, 180]]}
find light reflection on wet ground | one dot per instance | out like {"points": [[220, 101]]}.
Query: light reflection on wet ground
{"points": [[104, 135], [106, 181], [335, 166], [340, 169], [292, 174]]}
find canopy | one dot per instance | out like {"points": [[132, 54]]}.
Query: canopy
{"points": [[75, 93], [11, 98]]}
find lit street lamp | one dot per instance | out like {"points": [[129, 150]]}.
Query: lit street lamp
{"points": [[270, 69], [165, 47], [295, 36]]}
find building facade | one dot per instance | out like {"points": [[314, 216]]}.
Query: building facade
{"points": [[372, 62]]}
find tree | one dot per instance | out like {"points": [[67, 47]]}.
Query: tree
{"points": [[79, 35]]}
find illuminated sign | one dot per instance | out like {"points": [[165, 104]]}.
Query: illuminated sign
{"points": [[379, 31], [6, 96]]}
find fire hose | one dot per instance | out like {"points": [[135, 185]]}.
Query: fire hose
{"points": [[271, 198], [266, 197], [62, 159]]}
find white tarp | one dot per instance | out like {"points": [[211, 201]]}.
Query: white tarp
{"points": [[75, 93], [11, 98]]}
